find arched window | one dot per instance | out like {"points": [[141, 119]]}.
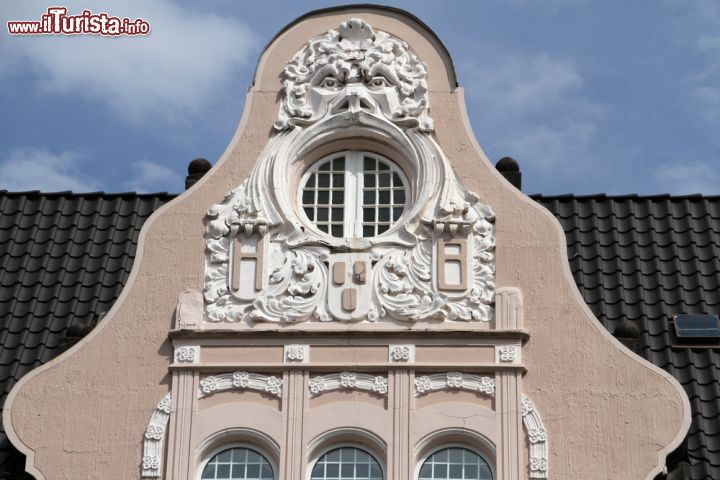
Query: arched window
{"points": [[354, 194], [238, 463], [455, 463], [347, 463]]}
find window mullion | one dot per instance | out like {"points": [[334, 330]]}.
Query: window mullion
{"points": [[359, 183], [349, 196], [351, 212]]}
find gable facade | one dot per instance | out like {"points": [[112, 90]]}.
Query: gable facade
{"points": [[426, 312]]}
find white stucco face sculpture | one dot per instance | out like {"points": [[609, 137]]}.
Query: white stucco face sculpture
{"points": [[351, 84], [373, 71]]}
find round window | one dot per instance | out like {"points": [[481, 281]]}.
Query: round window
{"points": [[354, 194]]}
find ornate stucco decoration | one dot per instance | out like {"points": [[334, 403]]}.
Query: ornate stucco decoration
{"points": [[355, 50], [154, 439], [454, 381], [401, 353], [187, 354], [212, 384], [358, 83], [348, 381], [296, 353], [537, 439]]}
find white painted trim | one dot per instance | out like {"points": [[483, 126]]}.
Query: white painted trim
{"points": [[154, 439], [347, 381], [240, 381]]}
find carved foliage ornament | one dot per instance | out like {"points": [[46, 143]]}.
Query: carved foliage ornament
{"points": [[361, 83]]}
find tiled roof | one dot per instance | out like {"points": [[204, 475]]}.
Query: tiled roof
{"points": [[64, 258], [646, 259]]}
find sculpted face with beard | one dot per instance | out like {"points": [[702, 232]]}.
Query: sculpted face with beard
{"points": [[354, 69]]}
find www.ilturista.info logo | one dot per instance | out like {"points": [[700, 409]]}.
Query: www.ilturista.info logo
{"points": [[57, 22]]}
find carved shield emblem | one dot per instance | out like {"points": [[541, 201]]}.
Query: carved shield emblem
{"points": [[349, 292]]}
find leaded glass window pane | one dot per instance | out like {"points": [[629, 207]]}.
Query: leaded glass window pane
{"points": [[238, 464], [455, 463], [347, 463]]}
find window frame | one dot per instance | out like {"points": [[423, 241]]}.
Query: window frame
{"points": [[365, 448], [228, 446], [354, 182], [432, 451]]}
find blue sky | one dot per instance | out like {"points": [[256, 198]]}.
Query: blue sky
{"points": [[613, 96]]}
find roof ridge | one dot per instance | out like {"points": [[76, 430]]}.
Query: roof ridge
{"points": [[605, 196], [99, 193]]}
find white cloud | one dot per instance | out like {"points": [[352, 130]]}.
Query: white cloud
{"points": [[189, 60], [32, 168], [549, 147], [520, 84], [689, 177], [530, 107], [152, 177], [705, 91]]}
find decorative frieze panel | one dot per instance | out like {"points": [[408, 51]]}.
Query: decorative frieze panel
{"points": [[154, 439], [348, 381], [454, 381], [212, 384], [264, 263]]}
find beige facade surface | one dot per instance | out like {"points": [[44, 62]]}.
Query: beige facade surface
{"points": [[515, 367]]}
